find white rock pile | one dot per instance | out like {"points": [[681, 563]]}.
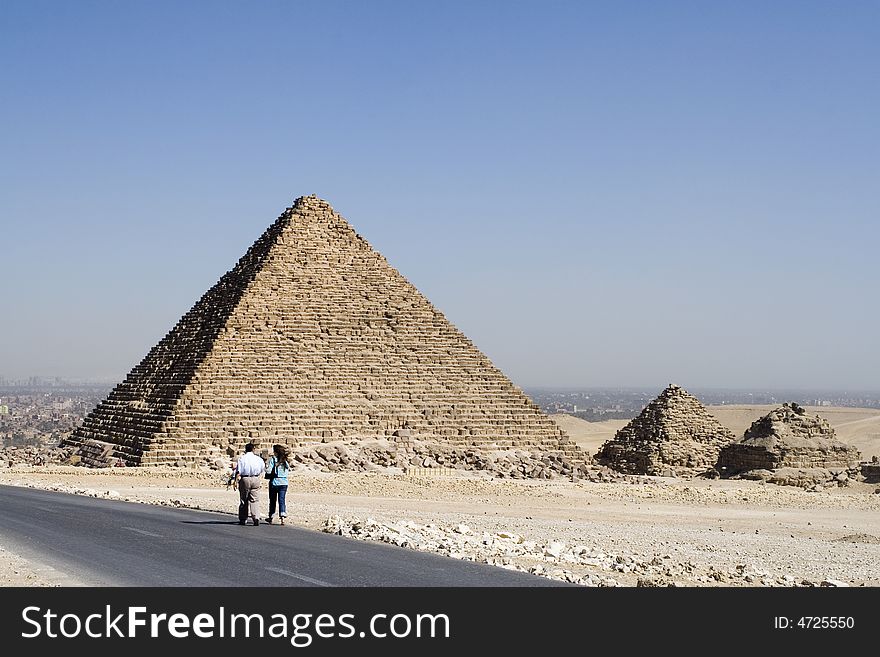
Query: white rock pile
{"points": [[504, 549], [556, 559]]}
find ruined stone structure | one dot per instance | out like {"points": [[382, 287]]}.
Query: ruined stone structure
{"points": [[870, 470], [787, 437], [674, 434], [312, 336]]}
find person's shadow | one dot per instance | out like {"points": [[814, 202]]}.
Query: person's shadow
{"points": [[209, 522]]}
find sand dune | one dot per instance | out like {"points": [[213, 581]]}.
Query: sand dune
{"points": [[589, 436], [859, 427]]}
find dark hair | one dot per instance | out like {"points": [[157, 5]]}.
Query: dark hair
{"points": [[249, 447], [281, 453]]}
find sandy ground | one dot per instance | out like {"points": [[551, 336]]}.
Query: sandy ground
{"points": [[15, 570], [701, 532], [589, 436], [859, 427]]}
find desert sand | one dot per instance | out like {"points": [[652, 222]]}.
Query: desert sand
{"points": [[648, 530], [589, 436], [15, 570], [637, 530]]}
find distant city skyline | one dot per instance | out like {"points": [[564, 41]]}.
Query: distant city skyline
{"points": [[597, 195]]}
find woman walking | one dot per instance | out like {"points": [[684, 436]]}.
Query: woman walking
{"points": [[276, 471]]}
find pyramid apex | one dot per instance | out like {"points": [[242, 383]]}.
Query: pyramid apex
{"points": [[311, 201]]}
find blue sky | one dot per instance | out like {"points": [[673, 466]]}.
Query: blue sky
{"points": [[615, 193]]}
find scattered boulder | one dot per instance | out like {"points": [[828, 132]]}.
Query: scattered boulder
{"points": [[578, 564], [501, 549], [425, 456], [35, 455]]}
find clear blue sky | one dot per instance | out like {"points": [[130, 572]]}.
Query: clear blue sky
{"points": [[614, 193]]}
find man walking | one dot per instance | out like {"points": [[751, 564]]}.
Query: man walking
{"points": [[249, 471]]}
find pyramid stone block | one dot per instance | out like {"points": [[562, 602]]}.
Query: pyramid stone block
{"points": [[311, 336]]}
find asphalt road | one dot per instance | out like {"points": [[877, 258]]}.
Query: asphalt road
{"points": [[109, 543]]}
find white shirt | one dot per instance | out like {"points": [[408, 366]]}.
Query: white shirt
{"points": [[251, 465]]}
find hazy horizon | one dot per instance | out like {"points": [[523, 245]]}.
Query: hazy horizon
{"points": [[49, 380], [597, 196]]}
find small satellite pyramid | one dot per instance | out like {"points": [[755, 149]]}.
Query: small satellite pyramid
{"points": [[312, 336], [674, 432], [787, 437]]}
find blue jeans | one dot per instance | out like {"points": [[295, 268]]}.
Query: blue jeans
{"points": [[278, 494]]}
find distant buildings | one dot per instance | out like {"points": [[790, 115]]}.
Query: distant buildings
{"points": [[597, 404], [45, 415]]}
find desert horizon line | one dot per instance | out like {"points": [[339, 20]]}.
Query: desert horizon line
{"points": [[50, 379]]}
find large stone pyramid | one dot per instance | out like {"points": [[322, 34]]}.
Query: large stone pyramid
{"points": [[787, 437], [311, 337], [674, 433]]}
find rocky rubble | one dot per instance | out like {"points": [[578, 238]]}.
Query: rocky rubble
{"points": [[586, 565], [34, 455], [812, 479], [502, 549], [381, 455], [427, 457], [376, 455]]}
